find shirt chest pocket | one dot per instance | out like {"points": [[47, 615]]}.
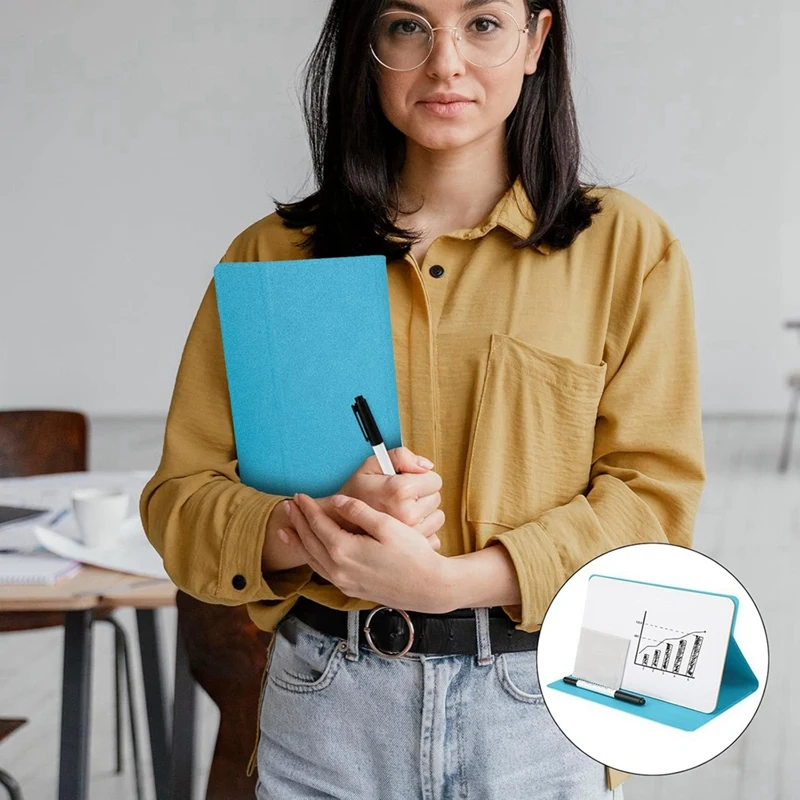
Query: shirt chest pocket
{"points": [[533, 437]]}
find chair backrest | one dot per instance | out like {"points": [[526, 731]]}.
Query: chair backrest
{"points": [[42, 442], [227, 657]]}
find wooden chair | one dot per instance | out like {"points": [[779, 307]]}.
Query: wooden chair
{"points": [[7, 727], [227, 656], [42, 443], [45, 442]]}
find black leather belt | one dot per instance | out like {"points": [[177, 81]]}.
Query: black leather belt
{"points": [[434, 634]]}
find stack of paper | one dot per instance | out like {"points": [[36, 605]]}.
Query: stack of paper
{"points": [[35, 568]]}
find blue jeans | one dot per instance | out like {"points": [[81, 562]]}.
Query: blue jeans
{"points": [[340, 721]]}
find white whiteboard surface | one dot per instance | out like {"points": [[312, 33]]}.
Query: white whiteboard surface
{"points": [[679, 639]]}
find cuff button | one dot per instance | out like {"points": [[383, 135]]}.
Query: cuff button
{"points": [[239, 582]]}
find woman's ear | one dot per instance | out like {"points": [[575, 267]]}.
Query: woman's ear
{"points": [[536, 39]]}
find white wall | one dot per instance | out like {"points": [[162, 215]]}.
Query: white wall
{"points": [[140, 138], [697, 103]]}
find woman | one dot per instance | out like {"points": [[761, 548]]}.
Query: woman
{"points": [[546, 362]]}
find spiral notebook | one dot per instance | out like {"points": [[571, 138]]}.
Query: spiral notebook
{"points": [[35, 569]]}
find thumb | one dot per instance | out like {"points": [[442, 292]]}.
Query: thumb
{"points": [[362, 514], [405, 460]]}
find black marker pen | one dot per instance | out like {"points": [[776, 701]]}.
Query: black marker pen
{"points": [[618, 694], [372, 433]]}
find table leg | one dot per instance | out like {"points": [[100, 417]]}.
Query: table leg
{"points": [[75, 705], [183, 725], [153, 675]]}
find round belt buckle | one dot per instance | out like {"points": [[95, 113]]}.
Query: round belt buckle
{"points": [[369, 636]]}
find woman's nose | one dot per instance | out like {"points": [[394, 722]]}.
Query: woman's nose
{"points": [[445, 54]]}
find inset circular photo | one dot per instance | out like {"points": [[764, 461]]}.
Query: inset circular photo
{"points": [[652, 659]]}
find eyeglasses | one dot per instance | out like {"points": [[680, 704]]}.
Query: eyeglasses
{"points": [[403, 40]]}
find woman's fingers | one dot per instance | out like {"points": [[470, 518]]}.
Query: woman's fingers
{"points": [[321, 535], [374, 522], [422, 484], [432, 523], [404, 460], [316, 531], [434, 541], [425, 506]]}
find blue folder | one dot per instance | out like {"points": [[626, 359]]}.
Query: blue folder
{"points": [[301, 339], [738, 681]]}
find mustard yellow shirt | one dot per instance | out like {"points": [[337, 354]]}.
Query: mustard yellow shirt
{"points": [[555, 391]]}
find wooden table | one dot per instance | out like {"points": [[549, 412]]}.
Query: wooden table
{"points": [[172, 741], [79, 596]]}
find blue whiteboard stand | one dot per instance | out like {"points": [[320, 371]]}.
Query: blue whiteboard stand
{"points": [[738, 682]]}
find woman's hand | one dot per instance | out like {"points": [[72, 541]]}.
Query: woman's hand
{"points": [[411, 496], [393, 565]]}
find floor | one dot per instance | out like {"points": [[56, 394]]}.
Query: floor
{"points": [[749, 520]]}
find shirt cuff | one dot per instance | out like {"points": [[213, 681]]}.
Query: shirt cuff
{"points": [[535, 572], [240, 577]]}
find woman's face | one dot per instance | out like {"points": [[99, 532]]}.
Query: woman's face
{"points": [[492, 93]]}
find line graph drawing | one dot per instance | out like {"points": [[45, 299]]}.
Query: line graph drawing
{"points": [[674, 652]]}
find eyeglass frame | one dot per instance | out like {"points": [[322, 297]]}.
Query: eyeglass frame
{"points": [[454, 28]]}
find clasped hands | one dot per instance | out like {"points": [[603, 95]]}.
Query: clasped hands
{"points": [[384, 550]]}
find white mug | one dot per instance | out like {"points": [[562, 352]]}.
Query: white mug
{"points": [[99, 514]]}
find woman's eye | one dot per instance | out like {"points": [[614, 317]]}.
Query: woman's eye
{"points": [[485, 24], [405, 26]]}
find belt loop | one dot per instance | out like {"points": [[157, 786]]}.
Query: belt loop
{"points": [[353, 622], [485, 655]]}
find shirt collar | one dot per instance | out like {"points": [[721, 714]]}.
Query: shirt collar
{"points": [[513, 211]]}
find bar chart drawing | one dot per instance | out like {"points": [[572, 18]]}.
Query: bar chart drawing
{"points": [[668, 650], [681, 653]]}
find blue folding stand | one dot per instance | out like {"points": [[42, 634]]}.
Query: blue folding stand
{"points": [[738, 681]]}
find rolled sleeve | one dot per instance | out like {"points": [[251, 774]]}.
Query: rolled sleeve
{"points": [[240, 575], [648, 467]]}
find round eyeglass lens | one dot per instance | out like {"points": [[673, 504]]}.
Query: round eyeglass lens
{"points": [[486, 38]]}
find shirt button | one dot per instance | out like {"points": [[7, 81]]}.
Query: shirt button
{"points": [[239, 582], [437, 270]]}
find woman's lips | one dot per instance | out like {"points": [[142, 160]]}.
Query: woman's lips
{"points": [[446, 109]]}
